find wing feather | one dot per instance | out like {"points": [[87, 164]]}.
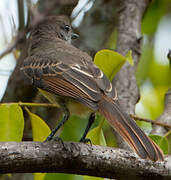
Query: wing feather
{"points": [[80, 76]]}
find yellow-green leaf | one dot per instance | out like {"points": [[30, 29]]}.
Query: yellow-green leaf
{"points": [[96, 135], [129, 57], [161, 142], [109, 62], [40, 129], [61, 176], [11, 122], [39, 176]]}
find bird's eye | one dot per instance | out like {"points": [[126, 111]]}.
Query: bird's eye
{"points": [[67, 28]]}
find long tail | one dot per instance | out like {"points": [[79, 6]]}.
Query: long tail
{"points": [[129, 130]]}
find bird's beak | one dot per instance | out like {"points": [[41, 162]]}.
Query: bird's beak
{"points": [[74, 36]]}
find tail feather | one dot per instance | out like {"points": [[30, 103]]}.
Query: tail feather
{"points": [[129, 130]]}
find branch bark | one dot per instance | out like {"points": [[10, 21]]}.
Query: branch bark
{"points": [[79, 158], [129, 38]]}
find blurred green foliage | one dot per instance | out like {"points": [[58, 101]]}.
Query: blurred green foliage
{"points": [[152, 17], [154, 81]]}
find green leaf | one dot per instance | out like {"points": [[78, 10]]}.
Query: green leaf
{"points": [[129, 57], [40, 129], [109, 62], [162, 142], [11, 122], [96, 135]]}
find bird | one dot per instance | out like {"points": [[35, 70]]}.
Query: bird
{"points": [[68, 76]]}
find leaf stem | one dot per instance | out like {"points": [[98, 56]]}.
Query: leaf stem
{"points": [[33, 104]]}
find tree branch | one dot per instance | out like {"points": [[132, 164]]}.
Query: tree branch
{"points": [[79, 158], [129, 38]]}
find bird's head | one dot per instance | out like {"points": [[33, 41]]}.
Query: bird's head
{"points": [[55, 26]]}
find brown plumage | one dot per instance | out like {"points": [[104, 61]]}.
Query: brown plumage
{"points": [[56, 66]]}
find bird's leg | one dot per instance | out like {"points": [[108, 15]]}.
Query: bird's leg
{"points": [[61, 123], [90, 122]]}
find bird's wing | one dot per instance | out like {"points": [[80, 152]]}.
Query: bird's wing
{"points": [[75, 78]]}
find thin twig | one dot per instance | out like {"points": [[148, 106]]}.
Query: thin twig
{"points": [[57, 106], [9, 48], [150, 121], [169, 57], [33, 104]]}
